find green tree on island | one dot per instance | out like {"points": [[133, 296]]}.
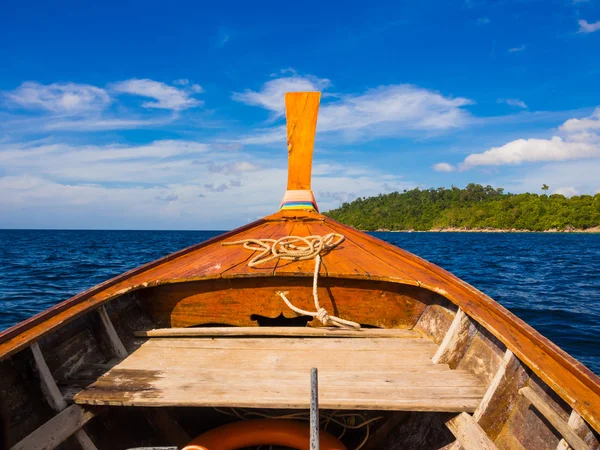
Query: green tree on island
{"points": [[545, 188], [474, 207]]}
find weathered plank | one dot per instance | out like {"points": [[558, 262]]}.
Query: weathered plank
{"points": [[55, 431], [552, 416], [470, 435], [416, 348], [574, 422], [116, 345], [455, 342], [53, 395], [281, 331], [501, 395], [48, 384], [376, 373]]}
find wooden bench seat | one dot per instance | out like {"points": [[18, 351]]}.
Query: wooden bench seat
{"points": [[273, 372]]}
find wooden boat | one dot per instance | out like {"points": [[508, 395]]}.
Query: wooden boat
{"points": [[201, 339]]}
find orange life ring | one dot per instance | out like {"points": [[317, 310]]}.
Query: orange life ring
{"points": [[246, 433]]}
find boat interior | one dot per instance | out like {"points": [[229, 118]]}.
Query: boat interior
{"points": [[150, 369]]}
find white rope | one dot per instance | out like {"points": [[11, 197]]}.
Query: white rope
{"points": [[297, 248]]}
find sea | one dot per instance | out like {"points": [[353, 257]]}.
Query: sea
{"points": [[550, 280]]}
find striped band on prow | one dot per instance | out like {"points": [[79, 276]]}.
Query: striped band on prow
{"points": [[299, 199]]}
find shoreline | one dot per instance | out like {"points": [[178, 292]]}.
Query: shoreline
{"points": [[489, 230]]}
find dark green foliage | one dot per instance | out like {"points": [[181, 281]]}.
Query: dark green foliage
{"points": [[475, 207]]}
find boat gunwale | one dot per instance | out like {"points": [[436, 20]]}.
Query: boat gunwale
{"points": [[40, 317]]}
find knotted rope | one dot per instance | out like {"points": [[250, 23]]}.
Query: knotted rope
{"points": [[295, 248]]}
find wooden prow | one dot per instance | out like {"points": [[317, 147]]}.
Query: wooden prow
{"points": [[301, 111]]}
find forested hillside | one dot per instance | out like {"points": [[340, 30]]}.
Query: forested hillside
{"points": [[475, 207]]}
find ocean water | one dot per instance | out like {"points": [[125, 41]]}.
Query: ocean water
{"points": [[552, 281]]}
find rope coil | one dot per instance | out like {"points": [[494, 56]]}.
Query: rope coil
{"points": [[296, 248]]}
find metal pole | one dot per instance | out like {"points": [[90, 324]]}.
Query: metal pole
{"points": [[314, 409]]}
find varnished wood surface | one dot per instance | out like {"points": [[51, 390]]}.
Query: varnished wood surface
{"points": [[301, 111], [237, 301], [371, 373], [360, 257]]}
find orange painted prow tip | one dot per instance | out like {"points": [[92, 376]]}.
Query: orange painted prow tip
{"points": [[301, 111]]}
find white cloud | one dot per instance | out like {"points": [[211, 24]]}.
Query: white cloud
{"points": [[580, 139], [520, 48], [97, 123], [61, 98], [483, 21], [567, 191], [390, 110], [530, 150], [383, 109], [513, 102], [163, 184], [165, 96], [586, 27], [443, 167], [582, 125], [271, 95]]}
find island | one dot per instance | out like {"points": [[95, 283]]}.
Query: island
{"points": [[474, 208]]}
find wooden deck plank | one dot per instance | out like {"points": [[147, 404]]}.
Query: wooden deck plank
{"points": [[375, 373], [328, 332], [424, 347]]}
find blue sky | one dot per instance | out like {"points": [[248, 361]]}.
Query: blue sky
{"points": [[148, 115]]}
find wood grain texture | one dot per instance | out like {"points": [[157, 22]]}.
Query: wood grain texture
{"points": [[54, 396], [583, 431], [325, 332], [557, 422], [373, 373], [49, 387], [456, 341], [483, 357], [301, 111], [56, 430], [234, 302], [574, 422], [501, 395], [117, 346], [470, 435]]}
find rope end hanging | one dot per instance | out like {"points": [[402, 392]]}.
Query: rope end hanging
{"points": [[297, 248]]}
